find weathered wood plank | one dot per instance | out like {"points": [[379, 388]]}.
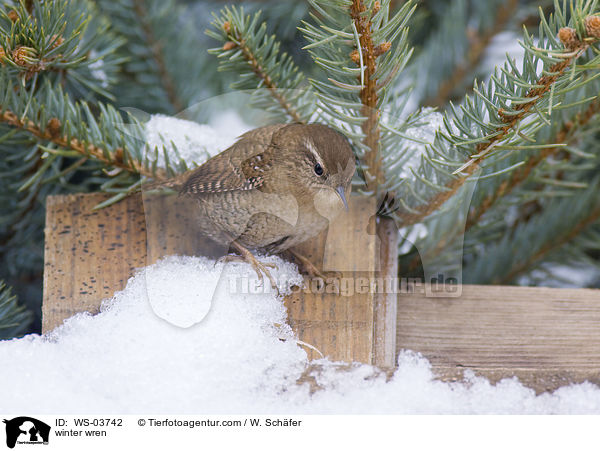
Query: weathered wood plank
{"points": [[88, 254], [91, 254], [386, 302], [356, 327], [546, 337]]}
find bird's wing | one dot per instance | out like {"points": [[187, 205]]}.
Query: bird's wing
{"points": [[240, 167]]}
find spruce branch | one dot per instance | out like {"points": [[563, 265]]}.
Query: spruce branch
{"points": [[67, 129], [261, 73], [521, 174], [116, 158], [505, 190], [362, 50], [247, 49], [509, 125], [451, 51], [367, 61], [65, 40], [559, 229]]}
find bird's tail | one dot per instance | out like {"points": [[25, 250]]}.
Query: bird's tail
{"points": [[173, 184]]}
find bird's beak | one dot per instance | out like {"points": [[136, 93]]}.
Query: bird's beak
{"points": [[342, 193]]}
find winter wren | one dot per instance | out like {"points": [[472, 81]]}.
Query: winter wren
{"points": [[273, 189]]}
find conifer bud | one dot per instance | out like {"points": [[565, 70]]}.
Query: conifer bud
{"points": [[502, 114], [53, 127], [355, 57], [56, 40], [228, 45], [568, 36], [227, 27], [382, 48], [13, 15], [376, 7], [22, 56], [592, 26]]}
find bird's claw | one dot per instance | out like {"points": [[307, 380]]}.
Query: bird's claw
{"points": [[262, 267], [258, 266]]}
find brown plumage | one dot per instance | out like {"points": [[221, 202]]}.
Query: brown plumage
{"points": [[273, 189]]}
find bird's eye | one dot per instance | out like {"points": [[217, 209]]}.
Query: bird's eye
{"points": [[318, 169]]}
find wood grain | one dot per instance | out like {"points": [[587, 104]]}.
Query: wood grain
{"points": [[90, 254], [546, 337]]}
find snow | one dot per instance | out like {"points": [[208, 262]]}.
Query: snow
{"points": [[97, 70], [229, 124], [503, 45], [195, 142], [424, 132], [240, 358], [582, 275], [506, 42], [411, 235]]}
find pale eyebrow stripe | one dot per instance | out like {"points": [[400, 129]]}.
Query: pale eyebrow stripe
{"points": [[311, 146]]}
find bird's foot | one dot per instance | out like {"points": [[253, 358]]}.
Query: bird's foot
{"points": [[260, 268]]}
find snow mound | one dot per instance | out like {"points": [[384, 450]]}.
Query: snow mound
{"points": [[195, 142], [241, 358]]}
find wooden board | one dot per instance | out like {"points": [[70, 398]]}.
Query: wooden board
{"points": [[90, 254], [359, 327], [546, 337]]}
